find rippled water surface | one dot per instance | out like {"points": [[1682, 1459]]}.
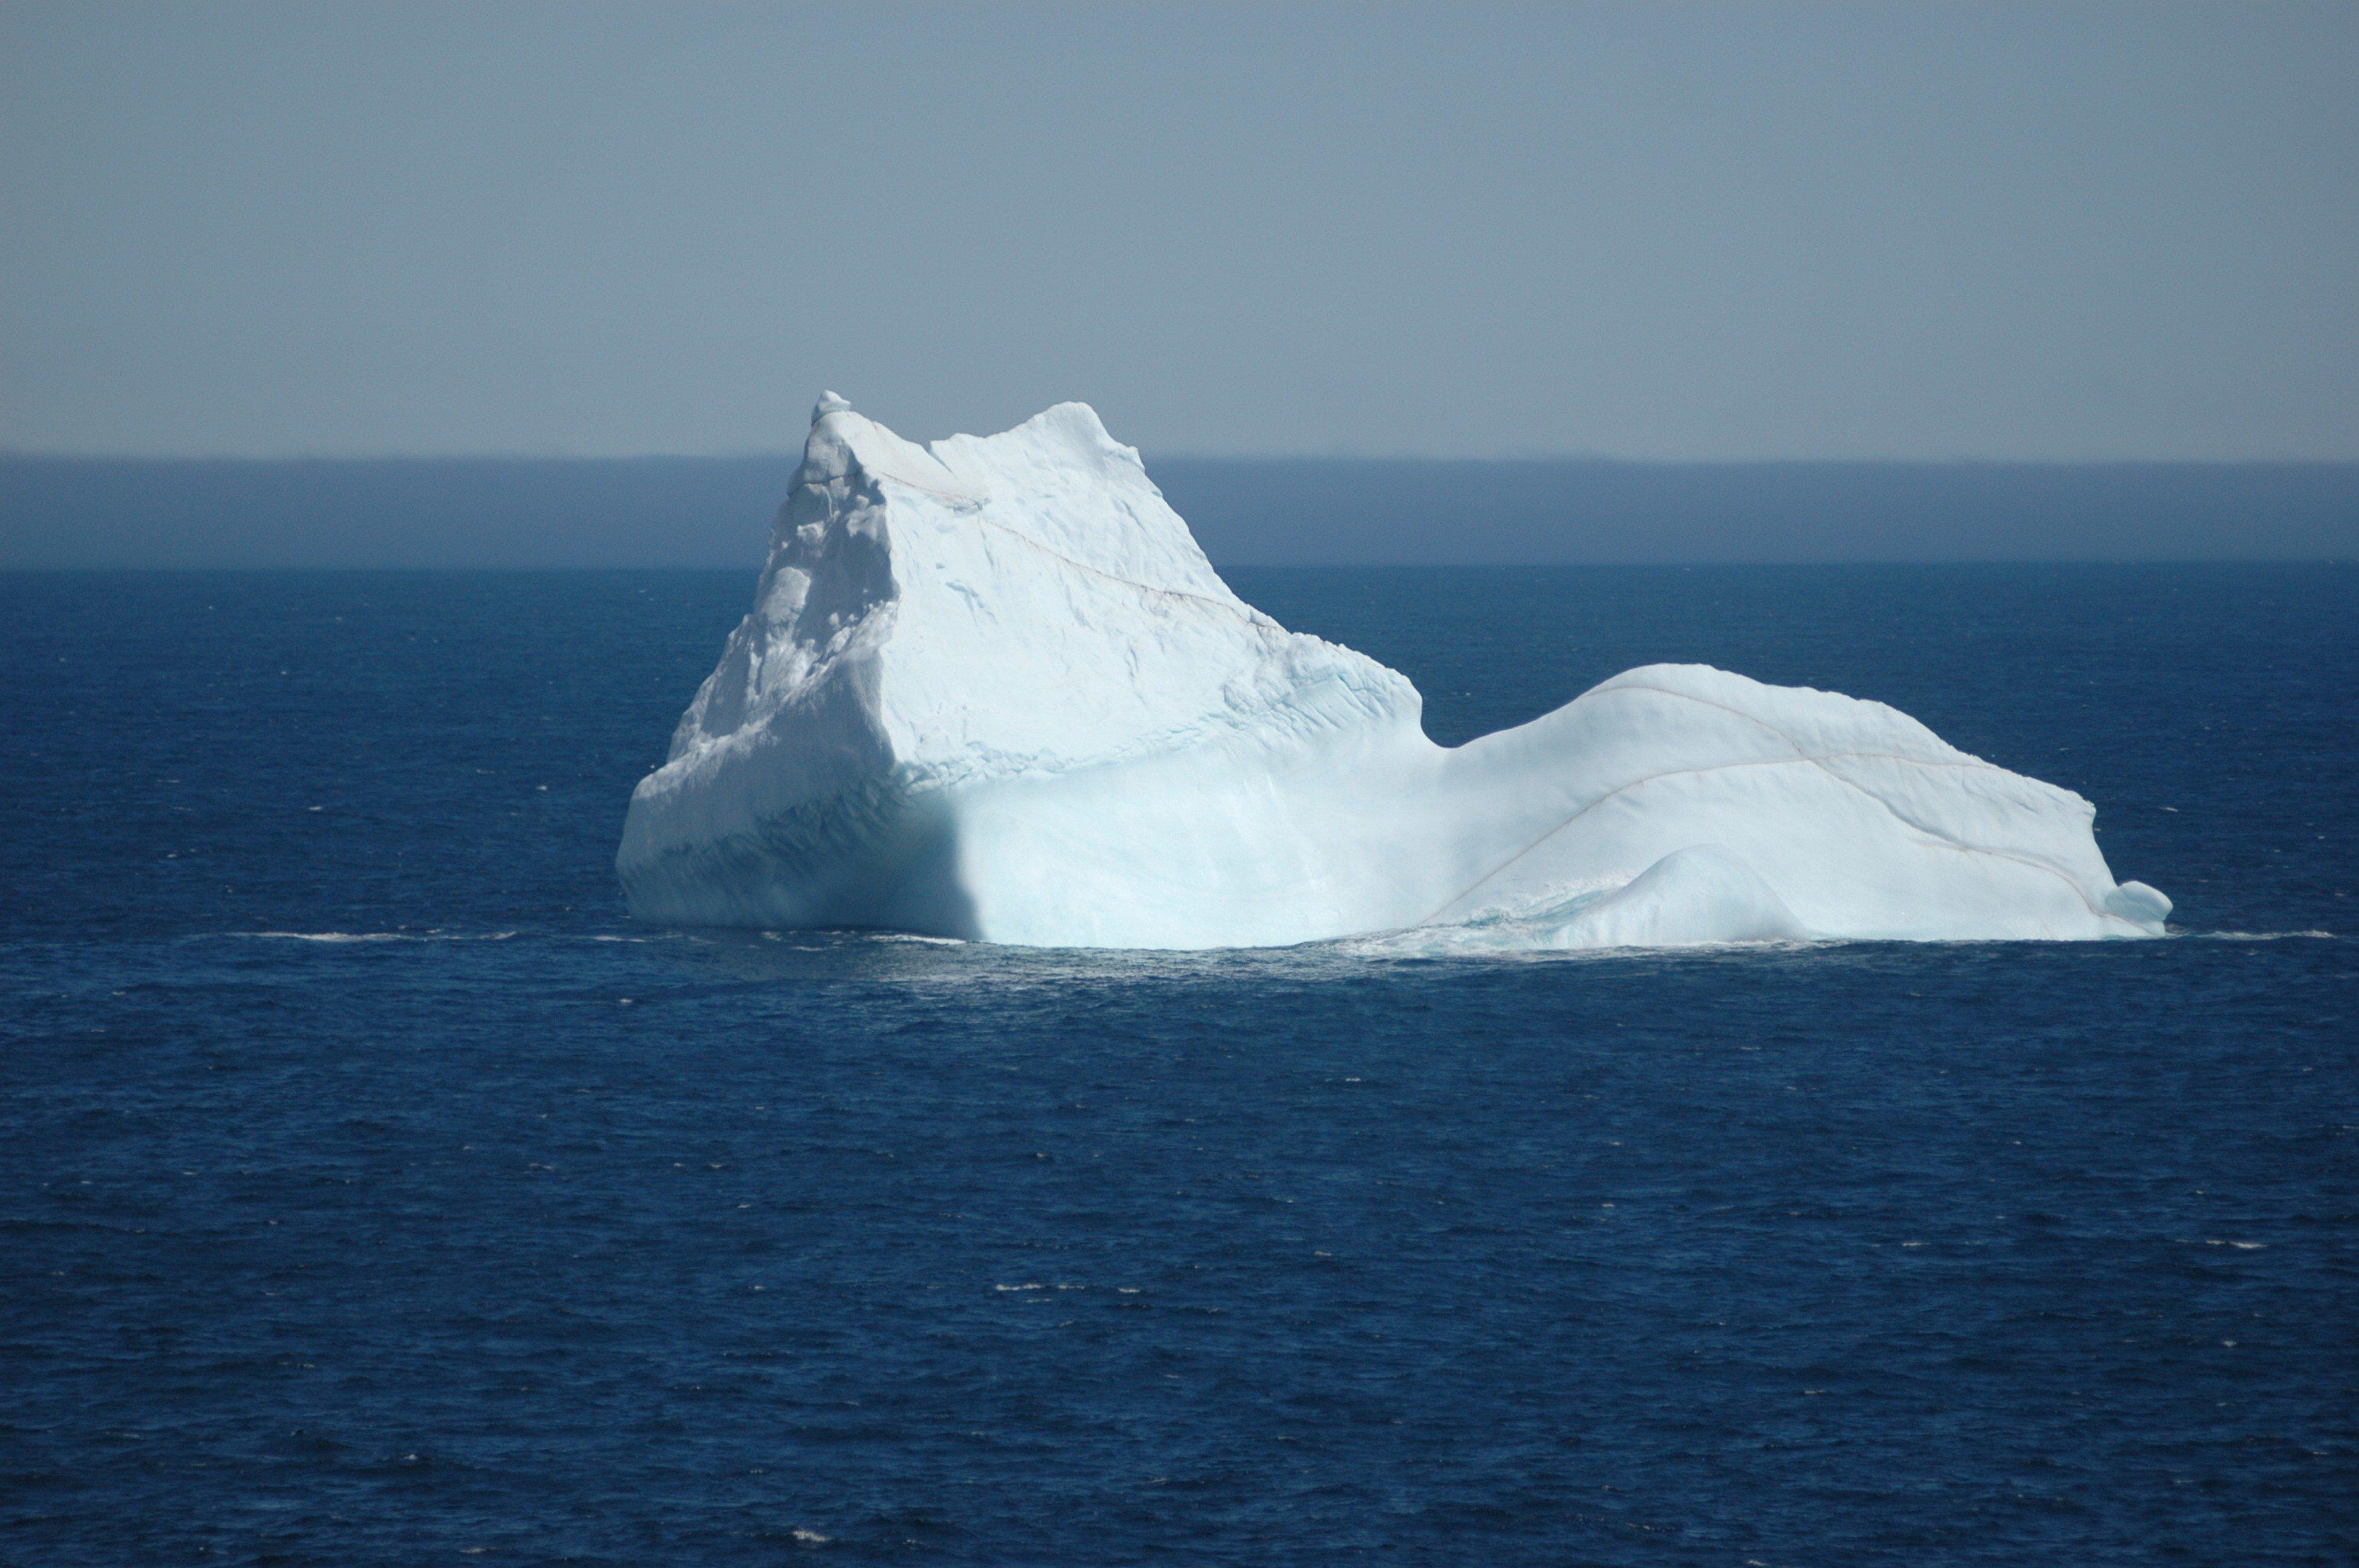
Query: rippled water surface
{"points": [[371, 1191]]}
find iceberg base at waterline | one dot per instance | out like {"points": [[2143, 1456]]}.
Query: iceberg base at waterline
{"points": [[991, 688]]}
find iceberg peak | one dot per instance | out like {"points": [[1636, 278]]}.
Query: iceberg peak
{"points": [[991, 688]]}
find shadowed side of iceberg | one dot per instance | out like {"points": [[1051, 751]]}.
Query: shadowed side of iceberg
{"points": [[785, 802], [878, 855]]}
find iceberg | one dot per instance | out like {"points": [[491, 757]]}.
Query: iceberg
{"points": [[991, 688]]}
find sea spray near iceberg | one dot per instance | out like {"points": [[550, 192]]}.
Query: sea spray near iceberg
{"points": [[991, 688]]}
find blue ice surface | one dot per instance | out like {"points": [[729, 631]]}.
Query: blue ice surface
{"points": [[373, 1192]]}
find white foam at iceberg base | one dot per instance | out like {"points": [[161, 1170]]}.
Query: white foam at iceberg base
{"points": [[993, 689]]}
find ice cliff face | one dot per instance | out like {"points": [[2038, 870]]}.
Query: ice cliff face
{"points": [[991, 688]]}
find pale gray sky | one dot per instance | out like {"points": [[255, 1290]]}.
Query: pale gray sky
{"points": [[1651, 232]]}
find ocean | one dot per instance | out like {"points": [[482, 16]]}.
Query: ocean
{"points": [[373, 1191]]}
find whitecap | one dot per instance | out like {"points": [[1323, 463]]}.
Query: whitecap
{"points": [[371, 935], [325, 936], [2269, 936]]}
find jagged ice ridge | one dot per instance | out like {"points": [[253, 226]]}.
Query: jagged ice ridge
{"points": [[991, 688]]}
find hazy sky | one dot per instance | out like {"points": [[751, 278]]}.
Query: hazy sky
{"points": [[1821, 231]]}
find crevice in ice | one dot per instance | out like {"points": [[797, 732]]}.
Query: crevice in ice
{"points": [[1929, 835], [963, 501], [1754, 719], [1246, 611]]}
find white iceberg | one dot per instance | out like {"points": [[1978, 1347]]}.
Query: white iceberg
{"points": [[993, 689]]}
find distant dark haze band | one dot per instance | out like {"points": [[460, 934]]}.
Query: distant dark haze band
{"points": [[715, 512]]}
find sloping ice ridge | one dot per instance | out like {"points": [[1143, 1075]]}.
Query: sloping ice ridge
{"points": [[991, 688]]}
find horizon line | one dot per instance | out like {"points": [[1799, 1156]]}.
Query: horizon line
{"points": [[1151, 457], [1814, 563]]}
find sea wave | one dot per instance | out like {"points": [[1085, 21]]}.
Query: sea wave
{"points": [[2268, 935], [369, 935]]}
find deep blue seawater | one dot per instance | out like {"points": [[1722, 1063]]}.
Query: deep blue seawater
{"points": [[373, 1192]]}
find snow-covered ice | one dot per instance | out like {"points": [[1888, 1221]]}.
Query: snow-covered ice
{"points": [[993, 689]]}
